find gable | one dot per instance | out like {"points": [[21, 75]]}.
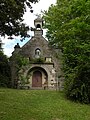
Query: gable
{"points": [[35, 42]]}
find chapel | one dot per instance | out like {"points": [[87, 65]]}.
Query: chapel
{"points": [[43, 69]]}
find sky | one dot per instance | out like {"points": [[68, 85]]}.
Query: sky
{"points": [[29, 20]]}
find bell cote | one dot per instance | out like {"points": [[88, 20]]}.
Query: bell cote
{"points": [[38, 22]]}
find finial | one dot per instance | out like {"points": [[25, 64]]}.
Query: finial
{"points": [[38, 15]]}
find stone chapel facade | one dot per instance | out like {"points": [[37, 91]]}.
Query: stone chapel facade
{"points": [[44, 69]]}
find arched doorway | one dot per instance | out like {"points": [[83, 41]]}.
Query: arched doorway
{"points": [[37, 79]]}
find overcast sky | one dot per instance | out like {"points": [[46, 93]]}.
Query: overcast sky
{"points": [[29, 20]]}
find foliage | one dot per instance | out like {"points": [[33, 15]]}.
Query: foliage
{"points": [[38, 60], [68, 24], [5, 76], [11, 17], [22, 79], [21, 62], [39, 105]]}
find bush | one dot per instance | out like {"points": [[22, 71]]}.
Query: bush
{"points": [[5, 76], [5, 81], [77, 86]]}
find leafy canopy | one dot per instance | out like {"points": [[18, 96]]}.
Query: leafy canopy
{"points": [[68, 28], [11, 17]]}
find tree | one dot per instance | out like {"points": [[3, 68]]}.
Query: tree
{"points": [[5, 76], [68, 27], [11, 17]]}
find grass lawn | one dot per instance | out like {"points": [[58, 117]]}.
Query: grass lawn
{"points": [[39, 105]]}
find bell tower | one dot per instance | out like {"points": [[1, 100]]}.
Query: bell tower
{"points": [[38, 23]]}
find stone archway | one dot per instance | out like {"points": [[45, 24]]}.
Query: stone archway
{"points": [[37, 79]]}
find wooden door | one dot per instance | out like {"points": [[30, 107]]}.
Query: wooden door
{"points": [[37, 79]]}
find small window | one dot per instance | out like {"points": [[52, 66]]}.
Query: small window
{"points": [[37, 53], [38, 26]]}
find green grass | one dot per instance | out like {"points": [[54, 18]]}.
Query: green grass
{"points": [[40, 105]]}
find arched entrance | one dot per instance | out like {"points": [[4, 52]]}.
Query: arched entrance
{"points": [[37, 79]]}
